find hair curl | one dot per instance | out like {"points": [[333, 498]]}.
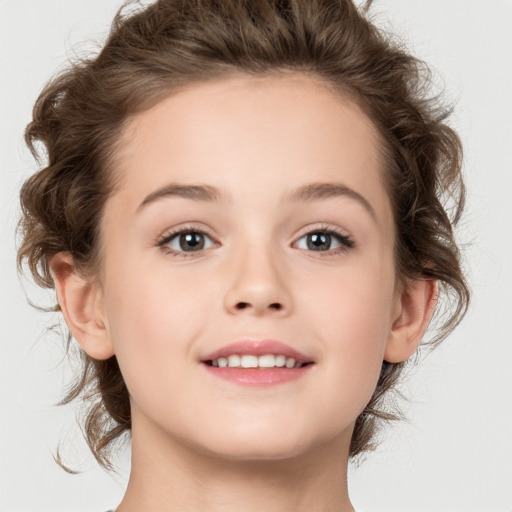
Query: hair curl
{"points": [[170, 44]]}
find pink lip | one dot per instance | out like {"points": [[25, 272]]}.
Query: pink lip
{"points": [[258, 348], [261, 377]]}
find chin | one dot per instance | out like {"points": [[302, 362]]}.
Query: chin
{"points": [[271, 445], [248, 453]]}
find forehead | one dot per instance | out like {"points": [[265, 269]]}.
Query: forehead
{"points": [[242, 132], [256, 106]]}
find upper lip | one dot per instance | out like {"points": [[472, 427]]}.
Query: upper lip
{"points": [[258, 348]]}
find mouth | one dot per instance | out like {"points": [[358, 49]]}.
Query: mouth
{"points": [[257, 362], [266, 361]]}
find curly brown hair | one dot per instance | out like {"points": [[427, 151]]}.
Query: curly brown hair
{"points": [[151, 52]]}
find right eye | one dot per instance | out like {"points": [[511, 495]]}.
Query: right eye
{"points": [[186, 241]]}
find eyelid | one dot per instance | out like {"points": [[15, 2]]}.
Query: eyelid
{"points": [[344, 238], [168, 233], [347, 242], [171, 233]]}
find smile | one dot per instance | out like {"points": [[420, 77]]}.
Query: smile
{"points": [[254, 361], [259, 363]]}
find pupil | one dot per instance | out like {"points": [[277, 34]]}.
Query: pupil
{"points": [[319, 241], [192, 241]]}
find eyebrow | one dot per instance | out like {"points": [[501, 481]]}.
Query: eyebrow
{"points": [[318, 191], [305, 193], [194, 192]]}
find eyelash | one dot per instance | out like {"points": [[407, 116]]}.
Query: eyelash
{"points": [[346, 242], [181, 231]]}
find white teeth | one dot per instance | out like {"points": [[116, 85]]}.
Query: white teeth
{"points": [[252, 361], [234, 361], [268, 361], [290, 362], [249, 362], [280, 361]]}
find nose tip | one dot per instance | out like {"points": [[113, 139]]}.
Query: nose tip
{"points": [[257, 285]]}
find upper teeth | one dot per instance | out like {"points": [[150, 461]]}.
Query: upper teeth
{"points": [[250, 361]]}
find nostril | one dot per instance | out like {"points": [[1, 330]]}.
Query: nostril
{"points": [[244, 305]]}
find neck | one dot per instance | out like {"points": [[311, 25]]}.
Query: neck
{"points": [[171, 477]]}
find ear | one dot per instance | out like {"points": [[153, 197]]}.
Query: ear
{"points": [[413, 311], [81, 302]]}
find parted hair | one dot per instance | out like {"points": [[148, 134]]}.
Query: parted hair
{"points": [[154, 50]]}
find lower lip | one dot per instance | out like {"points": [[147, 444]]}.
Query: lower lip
{"points": [[258, 376]]}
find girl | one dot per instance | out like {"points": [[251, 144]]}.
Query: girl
{"points": [[243, 216]]}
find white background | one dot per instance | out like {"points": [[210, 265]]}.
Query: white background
{"points": [[455, 452]]}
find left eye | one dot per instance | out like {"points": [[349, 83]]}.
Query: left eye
{"points": [[188, 241], [323, 241]]}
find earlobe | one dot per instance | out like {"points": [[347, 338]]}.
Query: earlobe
{"points": [[81, 302], [415, 308]]}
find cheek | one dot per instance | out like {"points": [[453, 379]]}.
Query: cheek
{"points": [[352, 317], [356, 301], [152, 320]]}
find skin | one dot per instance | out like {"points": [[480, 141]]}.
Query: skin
{"points": [[199, 442]]}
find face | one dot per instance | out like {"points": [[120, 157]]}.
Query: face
{"points": [[250, 219]]}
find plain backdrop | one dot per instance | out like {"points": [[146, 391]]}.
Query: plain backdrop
{"points": [[454, 454]]}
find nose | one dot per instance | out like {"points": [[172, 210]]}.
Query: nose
{"points": [[257, 285]]}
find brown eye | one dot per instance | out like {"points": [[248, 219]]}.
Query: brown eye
{"points": [[318, 241], [191, 241], [324, 240], [188, 241]]}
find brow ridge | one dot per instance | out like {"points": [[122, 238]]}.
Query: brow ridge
{"points": [[304, 193], [193, 192], [319, 191]]}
